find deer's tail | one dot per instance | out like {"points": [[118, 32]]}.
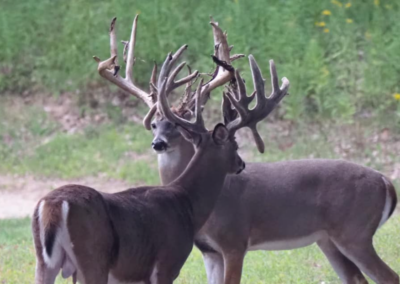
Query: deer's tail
{"points": [[390, 201], [51, 238]]}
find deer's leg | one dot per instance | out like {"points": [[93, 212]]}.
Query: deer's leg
{"points": [[45, 274], [214, 264], [363, 254], [233, 264], [348, 272]]}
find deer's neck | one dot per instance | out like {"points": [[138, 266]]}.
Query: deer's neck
{"points": [[202, 180], [172, 164]]}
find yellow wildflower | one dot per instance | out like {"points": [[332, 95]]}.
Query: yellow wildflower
{"points": [[396, 97], [348, 5], [377, 2], [326, 12], [228, 19], [236, 1], [367, 35], [326, 30], [325, 71], [337, 3], [320, 24], [349, 21]]}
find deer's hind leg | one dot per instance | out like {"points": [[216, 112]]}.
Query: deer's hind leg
{"points": [[363, 254], [347, 271]]}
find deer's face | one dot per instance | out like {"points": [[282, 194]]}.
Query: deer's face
{"points": [[220, 146], [166, 136], [227, 148]]}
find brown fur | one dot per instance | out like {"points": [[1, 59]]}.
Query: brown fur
{"points": [[130, 233]]}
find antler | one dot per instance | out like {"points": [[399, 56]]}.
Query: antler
{"points": [[109, 68], [224, 71], [163, 106], [239, 99]]}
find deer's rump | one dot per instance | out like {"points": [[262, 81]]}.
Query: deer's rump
{"points": [[137, 220], [298, 200]]}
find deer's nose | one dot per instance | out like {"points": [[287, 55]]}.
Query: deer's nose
{"points": [[159, 145], [242, 167]]}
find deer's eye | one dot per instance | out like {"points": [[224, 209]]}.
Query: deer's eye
{"points": [[153, 125]]}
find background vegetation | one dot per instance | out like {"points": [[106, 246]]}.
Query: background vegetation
{"points": [[341, 57]]}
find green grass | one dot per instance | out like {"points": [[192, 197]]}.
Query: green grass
{"points": [[306, 265], [113, 151], [31, 143], [352, 69]]}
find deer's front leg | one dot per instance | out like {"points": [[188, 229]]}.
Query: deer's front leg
{"points": [[233, 264]]}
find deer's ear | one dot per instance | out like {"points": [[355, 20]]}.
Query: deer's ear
{"points": [[192, 138], [220, 134]]}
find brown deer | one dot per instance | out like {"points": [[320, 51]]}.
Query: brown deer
{"points": [[279, 206], [143, 234]]}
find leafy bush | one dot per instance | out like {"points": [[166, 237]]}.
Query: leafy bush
{"points": [[341, 58]]}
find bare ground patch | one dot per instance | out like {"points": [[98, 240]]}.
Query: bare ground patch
{"points": [[19, 195]]}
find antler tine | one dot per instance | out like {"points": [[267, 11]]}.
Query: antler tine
{"points": [[165, 110], [153, 94], [198, 108], [153, 81], [130, 58], [276, 90], [187, 95], [109, 68], [264, 106], [113, 41], [166, 69], [149, 116], [172, 84], [169, 62], [224, 72], [220, 41]]}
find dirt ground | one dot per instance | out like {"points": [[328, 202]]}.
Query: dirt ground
{"points": [[19, 195]]}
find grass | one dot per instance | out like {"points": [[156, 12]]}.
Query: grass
{"points": [[33, 143], [341, 57], [306, 265]]}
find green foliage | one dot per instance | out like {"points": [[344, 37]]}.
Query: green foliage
{"points": [[340, 62], [307, 265]]}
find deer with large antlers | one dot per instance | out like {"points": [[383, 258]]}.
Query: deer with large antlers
{"points": [[141, 235], [285, 205]]}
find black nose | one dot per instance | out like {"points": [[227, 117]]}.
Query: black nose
{"points": [[241, 168], [159, 145]]}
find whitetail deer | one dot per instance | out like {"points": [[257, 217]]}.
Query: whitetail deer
{"points": [[285, 205], [142, 234]]}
